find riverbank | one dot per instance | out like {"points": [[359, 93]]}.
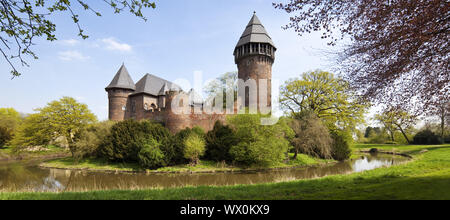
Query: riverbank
{"points": [[93, 164], [427, 176], [7, 154]]}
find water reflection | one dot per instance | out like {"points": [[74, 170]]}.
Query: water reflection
{"points": [[29, 177]]}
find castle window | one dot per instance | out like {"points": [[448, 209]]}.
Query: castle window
{"points": [[153, 106], [124, 108], [133, 106], [180, 104], [145, 107]]}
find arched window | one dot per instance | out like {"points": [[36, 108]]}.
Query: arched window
{"points": [[153, 106], [180, 104]]}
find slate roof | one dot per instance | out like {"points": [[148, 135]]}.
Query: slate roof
{"points": [[255, 33], [153, 85], [122, 80]]}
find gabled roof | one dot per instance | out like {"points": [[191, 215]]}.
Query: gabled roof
{"points": [[153, 85], [122, 80], [255, 33]]}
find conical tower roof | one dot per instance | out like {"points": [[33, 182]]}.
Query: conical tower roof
{"points": [[122, 80], [255, 33]]}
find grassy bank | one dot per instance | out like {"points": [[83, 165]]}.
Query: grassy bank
{"points": [[7, 153], [93, 164], [427, 176]]}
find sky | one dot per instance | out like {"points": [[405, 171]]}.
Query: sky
{"points": [[179, 38]]}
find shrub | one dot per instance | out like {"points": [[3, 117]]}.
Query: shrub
{"points": [[90, 139], [426, 137], [194, 148], [125, 140], [259, 144], [178, 143], [311, 137], [341, 145], [150, 155], [219, 142]]}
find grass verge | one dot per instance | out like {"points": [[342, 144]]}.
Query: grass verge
{"points": [[426, 177]]}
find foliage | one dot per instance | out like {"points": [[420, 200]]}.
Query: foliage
{"points": [[393, 51], [31, 132], [178, 143], [259, 144], [127, 138], [341, 145], [5, 136], [311, 136], [223, 85], [150, 155], [327, 96], [9, 121], [194, 148], [87, 145], [24, 21], [426, 137], [65, 117], [219, 141], [397, 120]]}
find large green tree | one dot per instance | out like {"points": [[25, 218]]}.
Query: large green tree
{"points": [[23, 21], [65, 117], [327, 96]]}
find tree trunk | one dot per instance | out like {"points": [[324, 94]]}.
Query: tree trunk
{"points": [[404, 134], [295, 155]]}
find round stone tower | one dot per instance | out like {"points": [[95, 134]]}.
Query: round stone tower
{"points": [[118, 91], [254, 55]]}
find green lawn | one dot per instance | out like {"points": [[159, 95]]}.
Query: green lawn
{"points": [[427, 176]]}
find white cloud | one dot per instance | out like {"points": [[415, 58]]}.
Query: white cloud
{"points": [[70, 42], [71, 55], [112, 44]]}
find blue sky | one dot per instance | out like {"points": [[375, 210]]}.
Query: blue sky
{"points": [[180, 37]]}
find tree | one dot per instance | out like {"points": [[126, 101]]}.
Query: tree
{"points": [[150, 155], [394, 50], [327, 96], [311, 137], [9, 121], [90, 139], [259, 144], [219, 141], [399, 120], [387, 123], [194, 148], [441, 110], [65, 117], [228, 82], [24, 21]]}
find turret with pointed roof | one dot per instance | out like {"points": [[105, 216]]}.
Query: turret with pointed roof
{"points": [[118, 91], [254, 41], [122, 80], [254, 55]]}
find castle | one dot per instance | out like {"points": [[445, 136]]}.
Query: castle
{"points": [[152, 97]]}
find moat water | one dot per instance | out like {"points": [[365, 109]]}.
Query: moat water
{"points": [[23, 176]]}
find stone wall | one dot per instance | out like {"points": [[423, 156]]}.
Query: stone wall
{"points": [[257, 67], [118, 104]]}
